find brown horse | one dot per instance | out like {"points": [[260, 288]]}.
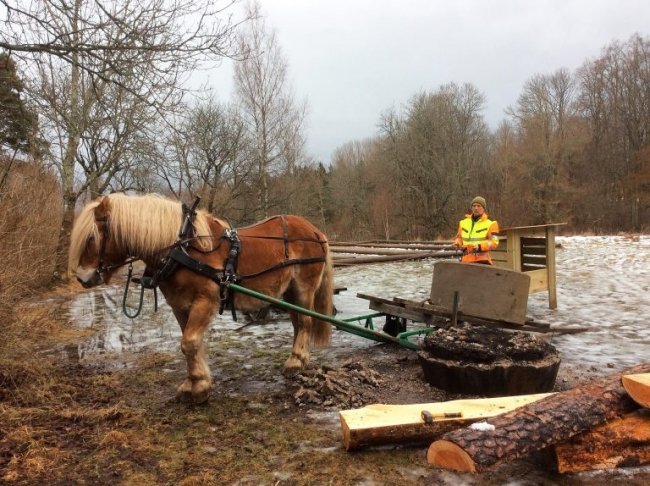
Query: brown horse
{"points": [[282, 256]]}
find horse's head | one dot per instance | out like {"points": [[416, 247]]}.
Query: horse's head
{"points": [[94, 253]]}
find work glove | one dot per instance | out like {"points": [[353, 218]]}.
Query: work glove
{"points": [[469, 249]]}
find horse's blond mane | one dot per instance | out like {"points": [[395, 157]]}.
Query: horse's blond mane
{"points": [[144, 224], [84, 227]]}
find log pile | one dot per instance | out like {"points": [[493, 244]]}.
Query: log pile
{"points": [[598, 425], [547, 422], [357, 253]]}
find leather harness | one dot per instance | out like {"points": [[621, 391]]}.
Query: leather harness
{"points": [[179, 255]]}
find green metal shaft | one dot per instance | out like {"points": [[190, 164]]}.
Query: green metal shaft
{"points": [[339, 324]]}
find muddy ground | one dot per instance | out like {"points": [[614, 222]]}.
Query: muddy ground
{"points": [[71, 419]]}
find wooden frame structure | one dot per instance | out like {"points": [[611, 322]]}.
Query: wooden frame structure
{"points": [[530, 249]]}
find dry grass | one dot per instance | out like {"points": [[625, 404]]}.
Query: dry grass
{"points": [[62, 422], [30, 215]]}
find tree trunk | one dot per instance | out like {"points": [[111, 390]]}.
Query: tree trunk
{"points": [[638, 387], [546, 422], [624, 442], [63, 244], [381, 424]]}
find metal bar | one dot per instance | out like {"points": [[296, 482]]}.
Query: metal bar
{"points": [[362, 317], [415, 332], [338, 323], [454, 311]]}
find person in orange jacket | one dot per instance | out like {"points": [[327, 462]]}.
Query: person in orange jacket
{"points": [[477, 234]]}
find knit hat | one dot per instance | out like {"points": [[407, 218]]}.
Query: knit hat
{"points": [[479, 200]]}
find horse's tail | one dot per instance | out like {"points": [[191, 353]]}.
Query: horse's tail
{"points": [[323, 304]]}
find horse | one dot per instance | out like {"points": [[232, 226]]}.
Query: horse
{"points": [[283, 256]]}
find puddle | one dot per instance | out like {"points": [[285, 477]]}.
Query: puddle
{"points": [[602, 283]]}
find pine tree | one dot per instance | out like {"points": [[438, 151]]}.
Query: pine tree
{"points": [[17, 123]]}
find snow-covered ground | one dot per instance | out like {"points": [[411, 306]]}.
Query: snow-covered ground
{"points": [[603, 283]]}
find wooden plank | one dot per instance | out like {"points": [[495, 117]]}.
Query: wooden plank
{"points": [[533, 260], [395, 310], [534, 250], [538, 280], [528, 241], [374, 298], [381, 424], [485, 291], [551, 268]]}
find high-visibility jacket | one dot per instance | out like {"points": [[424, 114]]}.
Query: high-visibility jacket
{"points": [[479, 237]]}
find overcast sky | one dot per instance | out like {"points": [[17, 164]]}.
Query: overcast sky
{"points": [[353, 59]]}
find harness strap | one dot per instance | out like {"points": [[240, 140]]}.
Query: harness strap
{"points": [[285, 230], [230, 273], [187, 261]]}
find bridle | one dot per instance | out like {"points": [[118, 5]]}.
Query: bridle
{"points": [[102, 268]]}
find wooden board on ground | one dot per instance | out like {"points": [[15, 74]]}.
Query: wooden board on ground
{"points": [[484, 290], [638, 387], [624, 442], [390, 424]]}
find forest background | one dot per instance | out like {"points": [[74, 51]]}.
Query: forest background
{"points": [[94, 100]]}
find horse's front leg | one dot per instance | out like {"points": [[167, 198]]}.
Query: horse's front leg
{"points": [[301, 337], [199, 381]]}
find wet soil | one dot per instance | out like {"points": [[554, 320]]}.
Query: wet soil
{"points": [[72, 417]]}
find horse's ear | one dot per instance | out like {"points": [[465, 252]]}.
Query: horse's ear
{"points": [[101, 211]]}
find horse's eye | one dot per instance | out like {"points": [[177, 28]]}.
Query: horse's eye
{"points": [[91, 238]]}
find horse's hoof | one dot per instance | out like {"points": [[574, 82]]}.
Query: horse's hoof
{"points": [[184, 391], [292, 366], [201, 391]]}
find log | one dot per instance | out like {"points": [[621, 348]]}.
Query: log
{"points": [[547, 422], [381, 424], [624, 442], [638, 387], [362, 250], [416, 255]]}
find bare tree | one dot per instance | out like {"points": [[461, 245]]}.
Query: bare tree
{"points": [[545, 118], [103, 39], [272, 116], [211, 156], [101, 73], [615, 102], [438, 147]]}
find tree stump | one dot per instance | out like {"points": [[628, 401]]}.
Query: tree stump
{"points": [[488, 361]]}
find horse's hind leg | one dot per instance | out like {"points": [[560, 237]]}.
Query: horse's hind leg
{"points": [[300, 350], [199, 381]]}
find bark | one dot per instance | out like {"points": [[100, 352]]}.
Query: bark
{"points": [[624, 442], [420, 255], [381, 424], [547, 422]]}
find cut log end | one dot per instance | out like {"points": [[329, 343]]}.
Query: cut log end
{"points": [[345, 430], [638, 387], [447, 455]]}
